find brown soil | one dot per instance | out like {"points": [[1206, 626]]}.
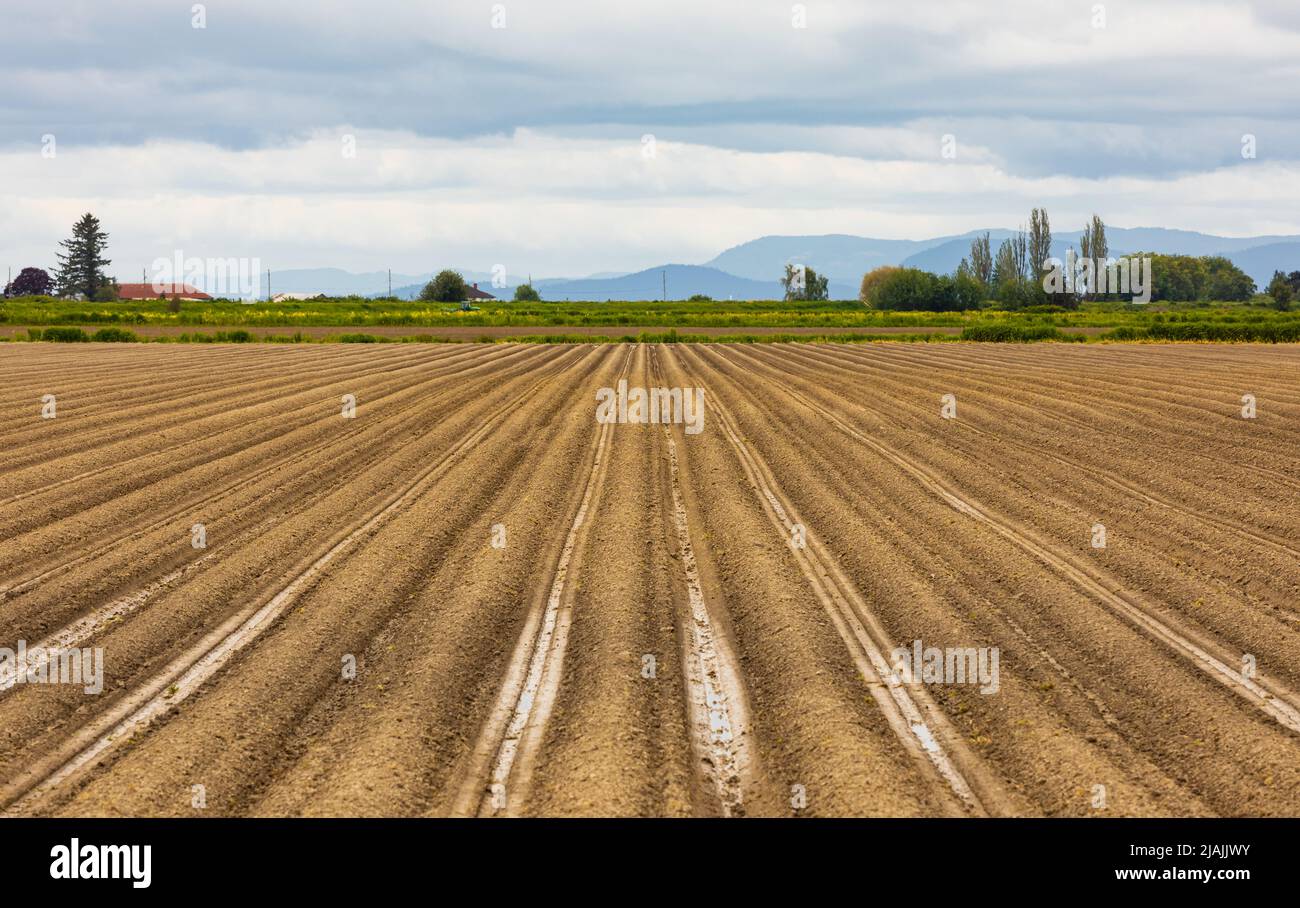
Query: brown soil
{"points": [[651, 639]]}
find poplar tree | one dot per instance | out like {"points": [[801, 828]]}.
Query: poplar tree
{"points": [[981, 260], [1092, 244], [1040, 242]]}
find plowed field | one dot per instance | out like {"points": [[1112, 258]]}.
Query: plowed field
{"points": [[468, 595]]}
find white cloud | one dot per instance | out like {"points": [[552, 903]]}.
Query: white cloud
{"points": [[553, 205], [479, 145]]}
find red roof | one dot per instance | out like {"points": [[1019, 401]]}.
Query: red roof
{"points": [[473, 293], [153, 291]]}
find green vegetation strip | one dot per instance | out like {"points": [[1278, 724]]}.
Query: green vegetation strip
{"points": [[978, 334], [224, 321]]}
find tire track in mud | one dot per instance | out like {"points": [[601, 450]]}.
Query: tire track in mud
{"points": [[1272, 698], [915, 719], [392, 741], [927, 577], [184, 675], [86, 627], [500, 770], [719, 720], [296, 525], [424, 606], [932, 574], [438, 616], [620, 740]]}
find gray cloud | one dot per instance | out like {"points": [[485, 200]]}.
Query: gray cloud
{"points": [[1160, 96], [260, 73]]}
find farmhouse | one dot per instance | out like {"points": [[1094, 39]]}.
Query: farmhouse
{"points": [[473, 293], [154, 291]]}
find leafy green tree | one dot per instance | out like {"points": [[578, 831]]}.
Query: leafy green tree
{"points": [[1092, 244], [1224, 281], [981, 260], [1010, 263], [81, 265], [1040, 243], [446, 287], [914, 290], [525, 293], [803, 283], [908, 289], [1280, 289], [967, 292], [1175, 278], [819, 286], [1188, 278], [871, 282], [1020, 253], [1017, 293]]}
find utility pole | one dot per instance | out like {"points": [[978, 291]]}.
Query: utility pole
{"points": [[268, 285]]}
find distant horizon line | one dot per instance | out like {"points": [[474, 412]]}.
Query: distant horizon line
{"points": [[614, 274]]}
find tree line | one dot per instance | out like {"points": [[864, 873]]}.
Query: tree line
{"points": [[1012, 277], [449, 286], [82, 263]]}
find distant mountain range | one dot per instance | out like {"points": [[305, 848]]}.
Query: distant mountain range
{"points": [[673, 281], [337, 282], [841, 257], [752, 270], [844, 259]]}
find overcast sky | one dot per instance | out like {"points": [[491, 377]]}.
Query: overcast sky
{"points": [[563, 138]]}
